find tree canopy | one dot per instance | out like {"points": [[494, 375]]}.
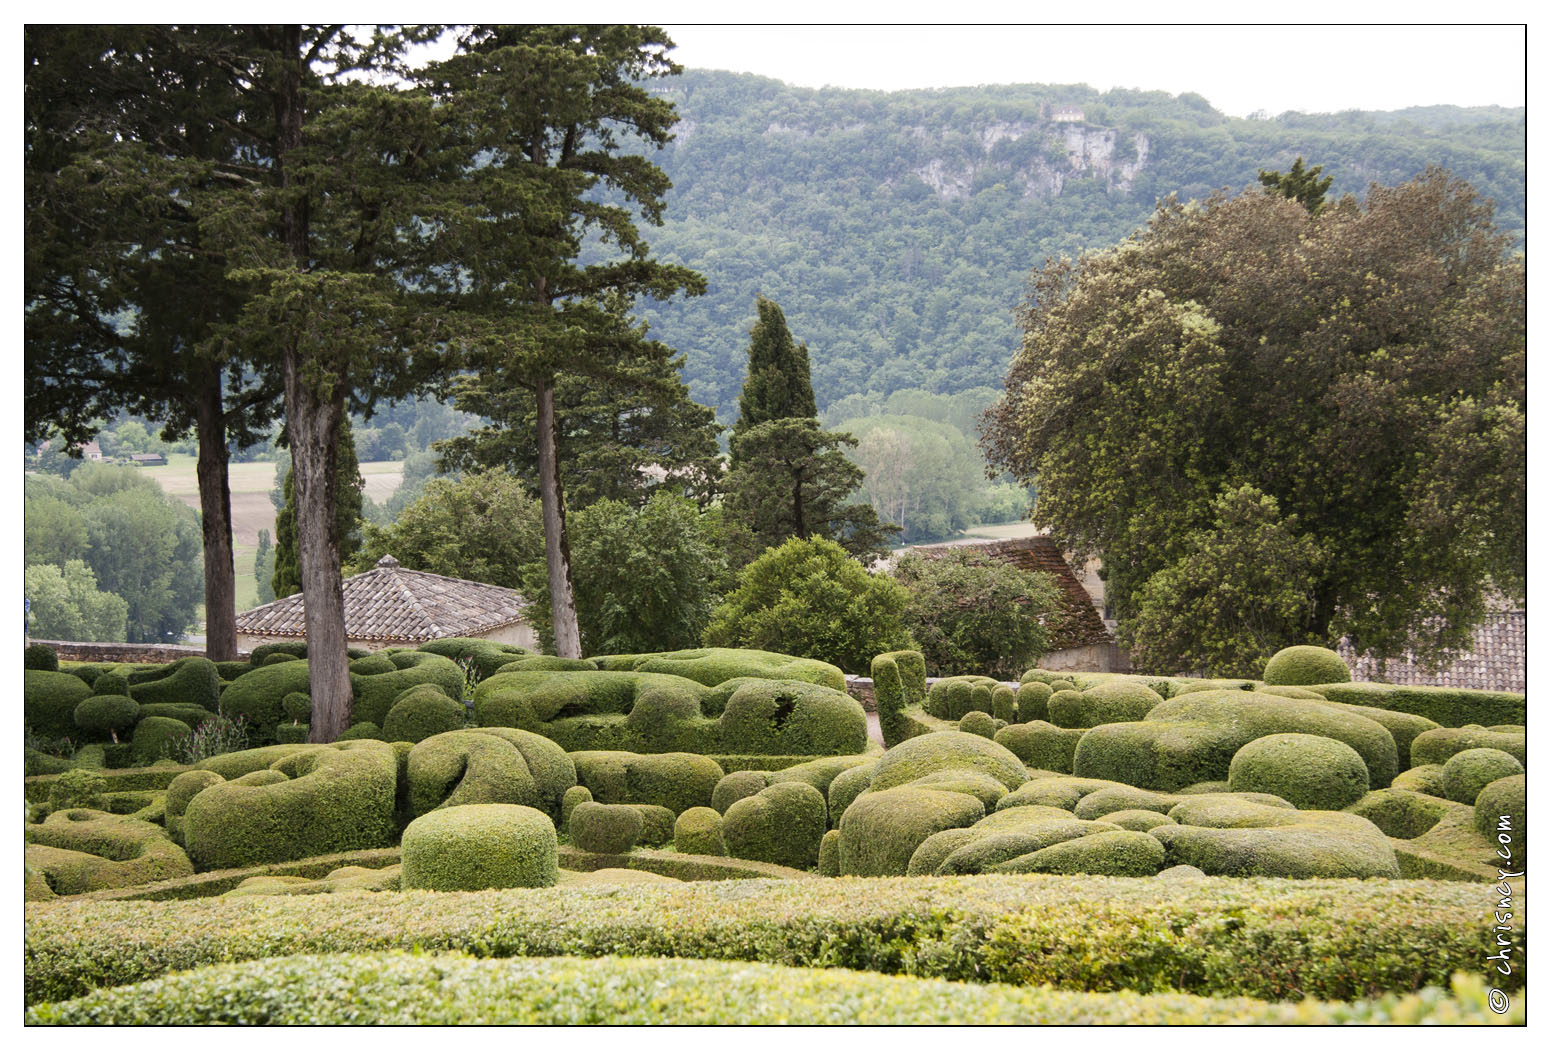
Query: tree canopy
{"points": [[1361, 371]]}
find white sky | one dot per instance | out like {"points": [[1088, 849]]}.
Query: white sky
{"points": [[1239, 69]]}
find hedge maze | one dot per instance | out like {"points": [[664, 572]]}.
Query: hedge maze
{"points": [[644, 777]]}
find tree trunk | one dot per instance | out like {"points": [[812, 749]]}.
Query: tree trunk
{"points": [[312, 425], [557, 552], [215, 515], [313, 428]]}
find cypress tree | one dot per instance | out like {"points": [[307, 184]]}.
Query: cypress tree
{"points": [[778, 386], [349, 486]]}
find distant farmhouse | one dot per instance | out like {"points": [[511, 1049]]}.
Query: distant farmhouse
{"points": [[393, 606]]}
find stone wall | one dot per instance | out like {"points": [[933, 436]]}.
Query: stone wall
{"points": [[122, 652]]}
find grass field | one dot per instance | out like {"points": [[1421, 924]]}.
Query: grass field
{"points": [[251, 508]]}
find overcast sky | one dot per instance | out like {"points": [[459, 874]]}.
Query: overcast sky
{"points": [[1239, 69]]}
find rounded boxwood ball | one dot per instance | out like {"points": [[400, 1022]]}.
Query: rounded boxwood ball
{"points": [[479, 847], [740, 784], [978, 723], [1310, 772], [698, 830], [1306, 666], [1467, 772], [155, 735], [1503, 798], [422, 711], [605, 828]]}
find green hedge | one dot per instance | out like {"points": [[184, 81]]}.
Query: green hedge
{"points": [[402, 989], [332, 799], [135, 779], [1223, 836], [1041, 745], [782, 825], [219, 881], [485, 656], [931, 753], [1444, 705], [190, 680], [49, 700], [488, 765], [1108, 702], [698, 830], [605, 828], [481, 846], [676, 780], [258, 696], [711, 667], [1468, 772], [420, 712], [1193, 738], [898, 681], [1439, 746], [1306, 666], [155, 735], [1274, 939], [375, 692], [882, 829], [86, 850]]}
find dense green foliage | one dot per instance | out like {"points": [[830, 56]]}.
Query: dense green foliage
{"points": [[1243, 386], [349, 488], [778, 384], [645, 578], [895, 228], [479, 847], [400, 989], [114, 533], [972, 614], [1273, 939], [811, 599]]}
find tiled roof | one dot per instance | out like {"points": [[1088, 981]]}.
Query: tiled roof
{"points": [[1079, 623], [1496, 660], [391, 603]]}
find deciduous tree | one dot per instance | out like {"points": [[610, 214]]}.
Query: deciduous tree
{"points": [[1363, 367]]}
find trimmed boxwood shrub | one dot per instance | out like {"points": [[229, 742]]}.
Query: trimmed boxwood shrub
{"points": [[1503, 798], [112, 682], [574, 797], [488, 765], [1041, 745], [676, 780], [791, 718], [1401, 814], [77, 789], [1114, 853], [712, 666], [1305, 666], [656, 824], [39, 657], [85, 850], [605, 828], [1468, 772], [1033, 702], [100, 716], [975, 783], [181, 792], [1013, 835], [740, 784], [898, 681], [1098, 805], [333, 799], [950, 749], [956, 696], [480, 846], [191, 714], [1004, 703], [1193, 738], [375, 691], [1426, 778], [49, 700], [292, 733], [1270, 939], [829, 853], [1109, 702], [259, 695], [485, 656], [980, 724], [1439, 746], [1252, 839], [1310, 772], [420, 712], [698, 830], [882, 829], [1138, 820], [1446, 706], [155, 735], [362, 732], [782, 825], [189, 680], [847, 785], [820, 773]]}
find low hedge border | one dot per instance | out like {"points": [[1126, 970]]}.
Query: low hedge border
{"points": [[693, 868], [402, 989], [772, 763], [1268, 938], [218, 882], [130, 779]]}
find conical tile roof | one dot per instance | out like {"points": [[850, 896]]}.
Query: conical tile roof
{"points": [[394, 604]]}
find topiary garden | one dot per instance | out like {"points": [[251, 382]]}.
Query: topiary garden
{"points": [[728, 788]]}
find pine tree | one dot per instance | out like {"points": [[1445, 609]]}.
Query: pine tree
{"points": [[1305, 187], [264, 567]]}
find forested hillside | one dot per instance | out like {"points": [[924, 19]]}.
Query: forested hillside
{"points": [[897, 229]]}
